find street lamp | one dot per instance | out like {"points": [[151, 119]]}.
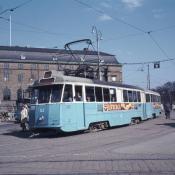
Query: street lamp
{"points": [[98, 36], [10, 23]]}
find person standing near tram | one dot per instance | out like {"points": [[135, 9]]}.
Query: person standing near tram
{"points": [[24, 117], [167, 110]]}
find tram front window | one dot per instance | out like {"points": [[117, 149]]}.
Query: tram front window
{"points": [[34, 97], [46, 94], [56, 93]]}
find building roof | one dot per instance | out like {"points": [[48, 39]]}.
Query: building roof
{"points": [[46, 55]]}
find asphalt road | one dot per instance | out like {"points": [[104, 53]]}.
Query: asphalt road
{"points": [[147, 148]]}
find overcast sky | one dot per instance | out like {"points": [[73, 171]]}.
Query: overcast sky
{"points": [[133, 30]]}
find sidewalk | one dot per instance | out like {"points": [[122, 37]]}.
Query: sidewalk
{"points": [[11, 120]]}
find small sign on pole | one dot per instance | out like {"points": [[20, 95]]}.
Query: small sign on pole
{"points": [[156, 65]]}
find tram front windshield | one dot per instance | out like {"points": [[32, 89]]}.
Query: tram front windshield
{"points": [[46, 94]]}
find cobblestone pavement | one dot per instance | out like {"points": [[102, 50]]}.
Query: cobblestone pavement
{"points": [[147, 148]]}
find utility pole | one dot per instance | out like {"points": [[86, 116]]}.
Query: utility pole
{"points": [[148, 78], [98, 36], [10, 23]]}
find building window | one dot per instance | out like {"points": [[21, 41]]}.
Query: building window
{"points": [[6, 71], [6, 65], [6, 74], [32, 77], [33, 66], [46, 67], [6, 94], [20, 77], [20, 65], [114, 78]]}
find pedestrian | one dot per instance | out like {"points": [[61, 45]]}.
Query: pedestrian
{"points": [[78, 97], [24, 117], [167, 110]]}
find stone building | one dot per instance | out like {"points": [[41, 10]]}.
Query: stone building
{"points": [[21, 66]]}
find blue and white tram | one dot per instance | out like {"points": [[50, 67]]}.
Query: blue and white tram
{"points": [[67, 104]]}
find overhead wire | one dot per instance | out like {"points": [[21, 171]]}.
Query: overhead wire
{"points": [[101, 12], [157, 44], [134, 27], [36, 29], [149, 62], [163, 28], [115, 18], [16, 7], [124, 36]]}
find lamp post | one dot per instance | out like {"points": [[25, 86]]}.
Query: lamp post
{"points": [[10, 22], [148, 78], [98, 36]]}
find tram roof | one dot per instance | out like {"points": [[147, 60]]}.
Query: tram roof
{"points": [[60, 78], [151, 92]]}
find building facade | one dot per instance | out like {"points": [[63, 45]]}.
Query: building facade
{"points": [[21, 66]]}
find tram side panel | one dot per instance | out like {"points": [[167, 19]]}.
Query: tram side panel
{"points": [[94, 112], [156, 109], [149, 110], [72, 117], [115, 113]]}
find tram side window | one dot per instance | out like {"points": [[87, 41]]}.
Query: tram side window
{"points": [[78, 93], [98, 94], [56, 93], [159, 99], [147, 97], [130, 96], [138, 96], [151, 100], [67, 97], [106, 95], [154, 98], [90, 96], [113, 95], [125, 95], [135, 99]]}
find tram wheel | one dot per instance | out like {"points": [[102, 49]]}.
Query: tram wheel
{"points": [[93, 127]]}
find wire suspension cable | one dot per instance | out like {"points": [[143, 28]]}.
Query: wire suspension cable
{"points": [[128, 24], [16, 7], [157, 44], [115, 18], [149, 62]]}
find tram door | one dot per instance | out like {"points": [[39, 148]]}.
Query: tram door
{"points": [[73, 107], [144, 104], [79, 106]]}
